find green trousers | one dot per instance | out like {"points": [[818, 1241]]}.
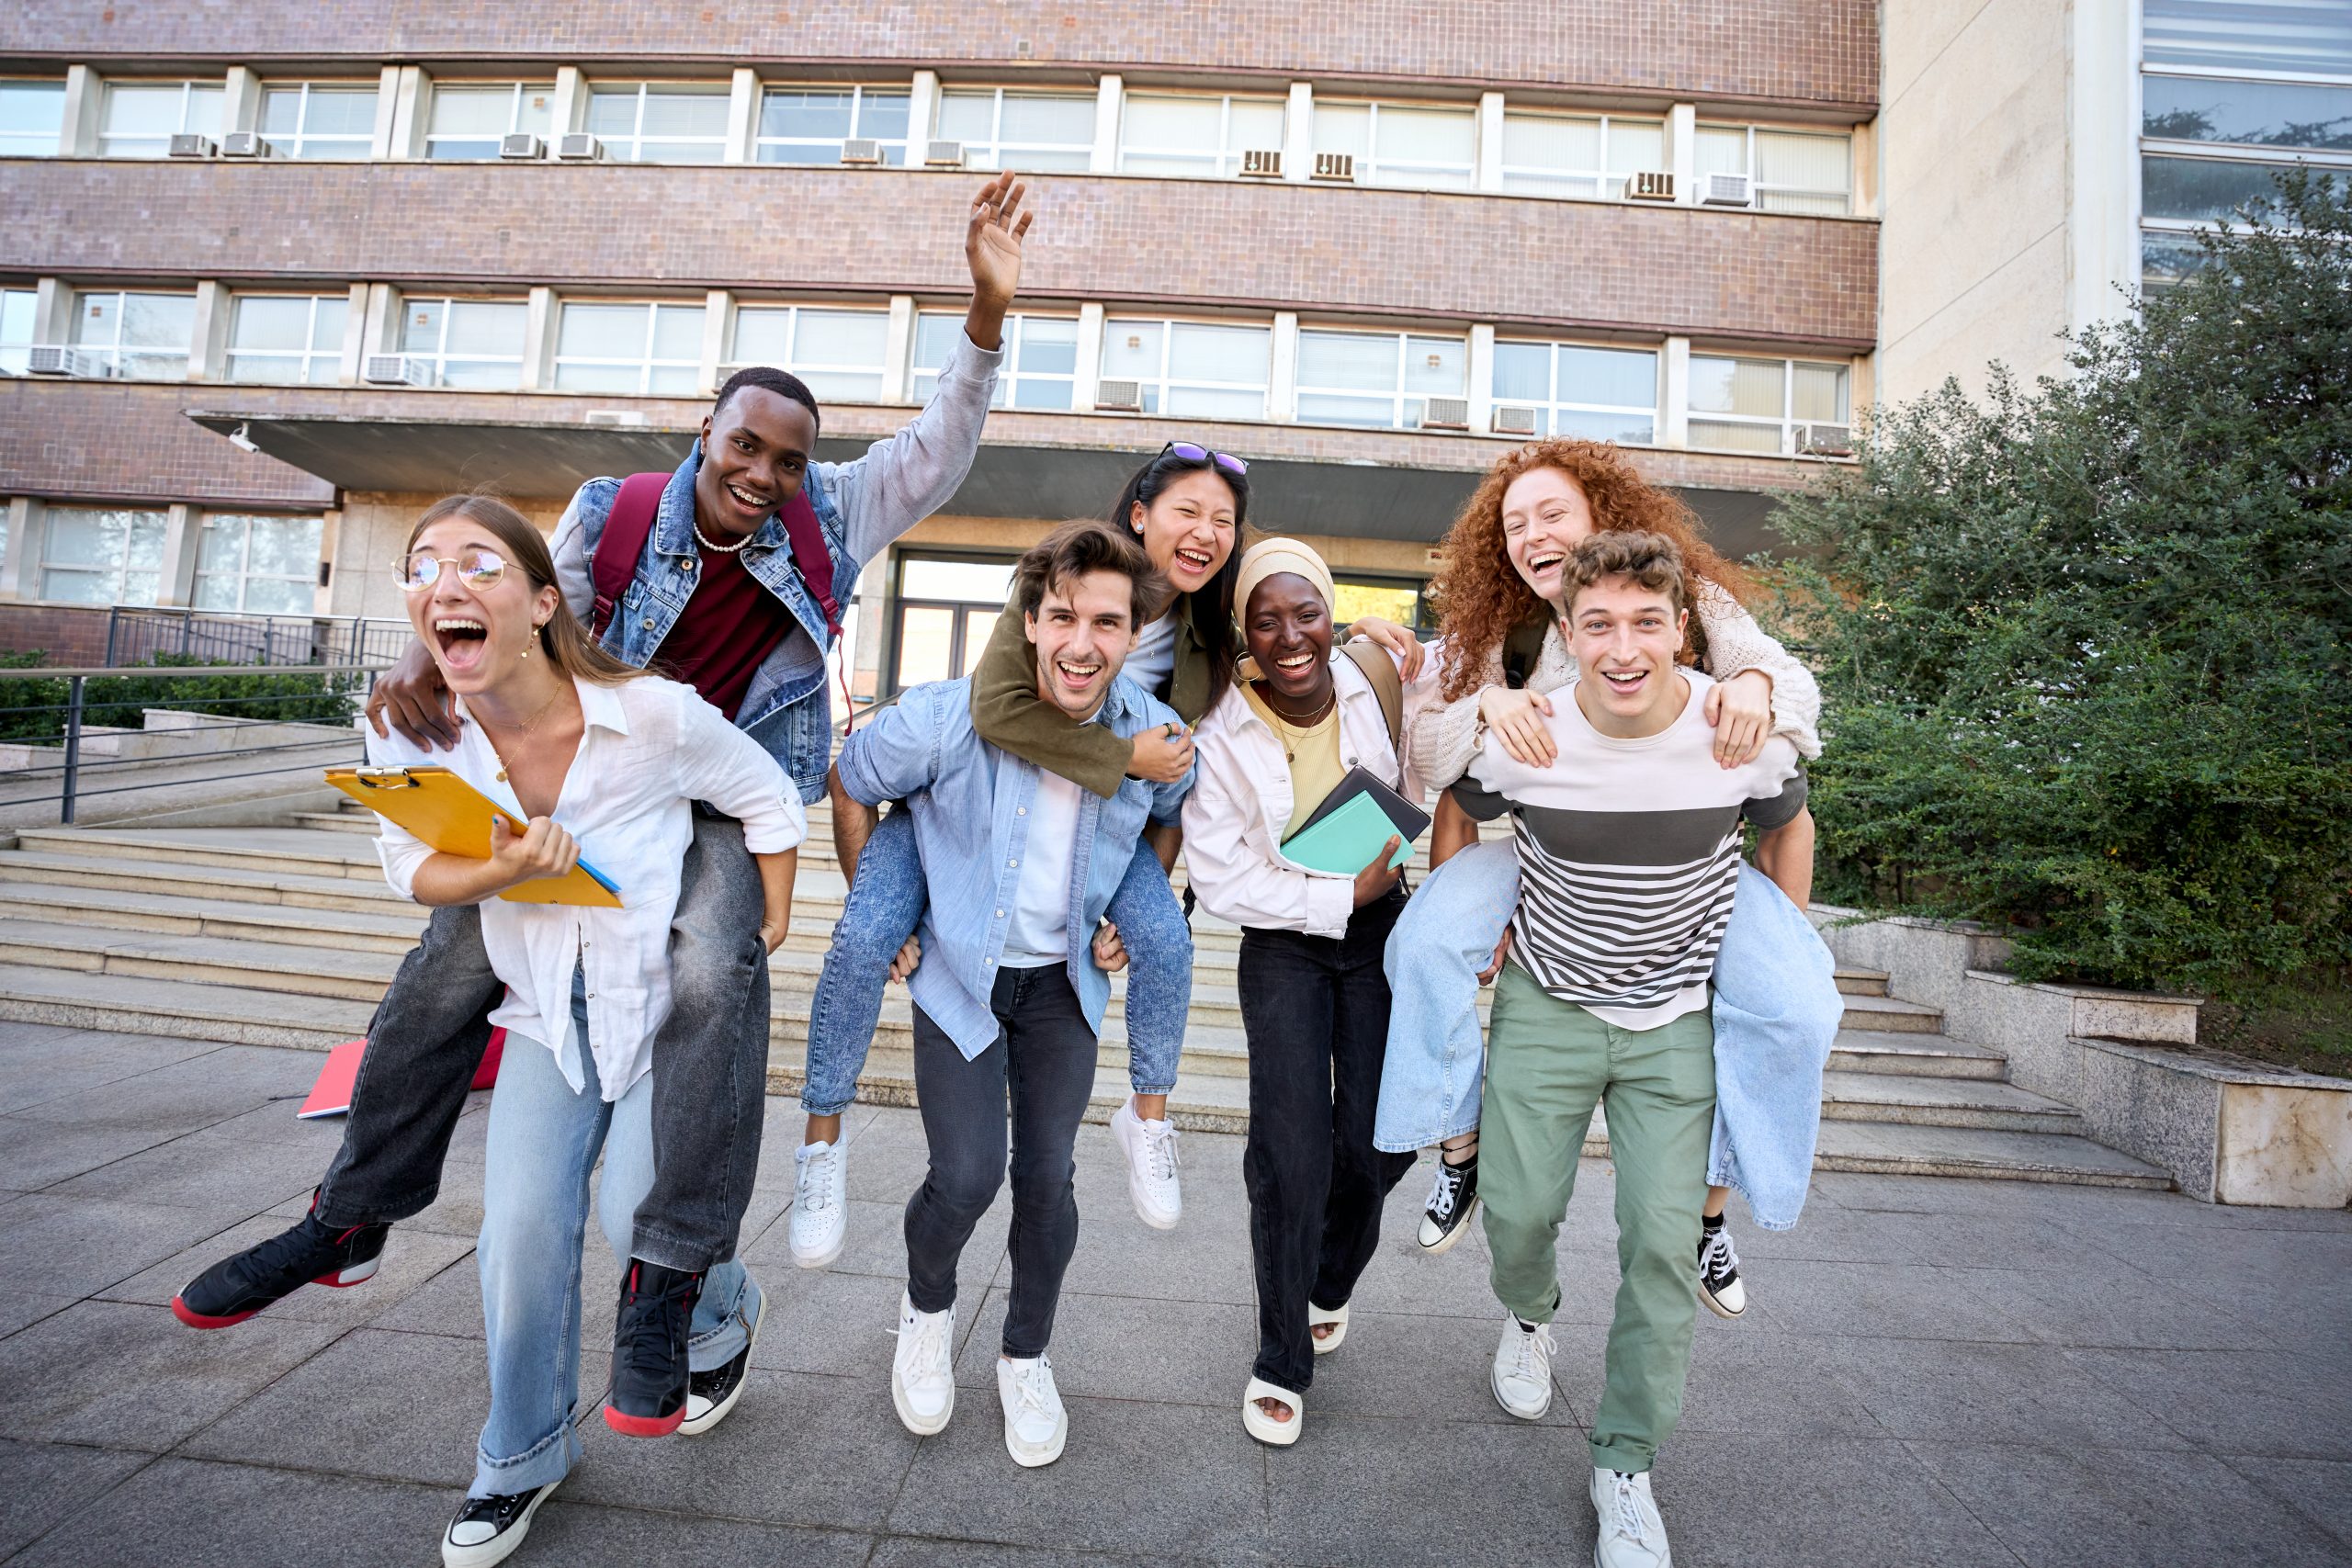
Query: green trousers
{"points": [[1548, 1062]]}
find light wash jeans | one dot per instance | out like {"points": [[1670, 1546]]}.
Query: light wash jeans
{"points": [[1776, 1012], [543, 1143], [885, 905]]}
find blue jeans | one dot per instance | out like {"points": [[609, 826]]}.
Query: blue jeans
{"points": [[543, 1143], [885, 905], [1430, 1086]]}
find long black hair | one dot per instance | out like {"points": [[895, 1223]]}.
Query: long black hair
{"points": [[1209, 608]]}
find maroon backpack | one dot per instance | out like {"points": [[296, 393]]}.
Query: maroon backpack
{"points": [[631, 524]]}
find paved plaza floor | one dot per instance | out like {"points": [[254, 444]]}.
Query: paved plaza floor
{"points": [[1933, 1372]]}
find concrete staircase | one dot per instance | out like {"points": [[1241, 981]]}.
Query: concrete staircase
{"points": [[287, 936]]}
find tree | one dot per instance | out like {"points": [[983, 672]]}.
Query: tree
{"points": [[2087, 647]]}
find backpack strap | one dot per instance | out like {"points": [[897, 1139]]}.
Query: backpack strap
{"points": [[1523, 648], [1387, 684], [618, 548]]}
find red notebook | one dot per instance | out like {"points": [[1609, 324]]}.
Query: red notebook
{"points": [[331, 1095]]}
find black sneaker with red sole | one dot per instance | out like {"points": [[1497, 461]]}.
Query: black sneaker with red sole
{"points": [[650, 1370], [312, 1253]]}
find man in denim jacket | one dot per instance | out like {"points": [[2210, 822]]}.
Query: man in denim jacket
{"points": [[753, 640]]}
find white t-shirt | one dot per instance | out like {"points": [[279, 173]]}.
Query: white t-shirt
{"points": [[1153, 663], [1038, 934]]}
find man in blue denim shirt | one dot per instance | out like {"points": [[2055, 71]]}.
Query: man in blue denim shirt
{"points": [[716, 586], [1011, 988]]}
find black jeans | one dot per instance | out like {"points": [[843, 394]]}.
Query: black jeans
{"points": [[710, 1066], [1043, 1060], [1315, 1011]]}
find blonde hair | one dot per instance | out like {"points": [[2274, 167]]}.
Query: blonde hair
{"points": [[569, 647]]}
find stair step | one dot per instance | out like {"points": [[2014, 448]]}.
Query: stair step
{"points": [[1890, 1149], [1892, 1015], [1862, 982], [1922, 1101], [1925, 1055], [236, 1015]]}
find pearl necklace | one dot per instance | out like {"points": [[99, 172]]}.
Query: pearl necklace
{"points": [[703, 540]]}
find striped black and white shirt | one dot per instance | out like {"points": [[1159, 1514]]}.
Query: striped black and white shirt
{"points": [[1629, 854]]}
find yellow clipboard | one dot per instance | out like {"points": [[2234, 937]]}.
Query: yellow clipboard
{"points": [[451, 816]]}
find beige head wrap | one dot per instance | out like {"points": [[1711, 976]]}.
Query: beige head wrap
{"points": [[1269, 557]]}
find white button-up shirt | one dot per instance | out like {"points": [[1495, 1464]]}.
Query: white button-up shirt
{"points": [[648, 748]]}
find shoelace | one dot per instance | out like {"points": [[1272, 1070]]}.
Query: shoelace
{"points": [[1159, 1149], [1627, 1508], [1523, 1364], [1033, 1389], [290, 1251], [663, 1331], [816, 1176], [928, 1354], [1444, 1190], [1719, 1262]]}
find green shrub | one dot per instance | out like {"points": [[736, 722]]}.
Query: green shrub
{"points": [[33, 709], [2087, 648]]}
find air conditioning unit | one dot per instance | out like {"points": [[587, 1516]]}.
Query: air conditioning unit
{"points": [[522, 144], [244, 144], [863, 150], [1262, 163], [580, 147], [1513, 419], [1445, 414], [396, 370], [185, 146], [1726, 190], [1823, 440], [1335, 166], [1118, 397], [1651, 185], [613, 416], [48, 360], [943, 154]]}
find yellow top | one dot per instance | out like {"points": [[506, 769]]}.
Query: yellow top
{"points": [[1314, 752]]}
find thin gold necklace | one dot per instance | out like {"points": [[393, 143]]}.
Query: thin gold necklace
{"points": [[546, 708], [1297, 729]]}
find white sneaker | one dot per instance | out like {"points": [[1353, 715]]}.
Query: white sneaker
{"points": [[820, 1203], [1632, 1535], [922, 1380], [1150, 1148], [1036, 1425], [1522, 1379]]}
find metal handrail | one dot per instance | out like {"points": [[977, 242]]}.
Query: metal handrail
{"points": [[173, 672]]}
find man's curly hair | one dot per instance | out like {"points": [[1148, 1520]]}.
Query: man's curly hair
{"points": [[1480, 595]]}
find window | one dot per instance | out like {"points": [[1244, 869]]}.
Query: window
{"points": [[1040, 368], [319, 119], [942, 615], [262, 566], [2204, 190], [1191, 368], [288, 337], [31, 114], [1399, 144], [468, 119], [2306, 115], [1379, 380], [2304, 38], [101, 556], [1166, 134], [1018, 130], [1548, 154], [628, 348], [1793, 171], [1392, 600], [140, 118], [143, 337], [1598, 394], [1748, 405], [472, 344], [15, 329], [660, 122], [840, 353], [807, 125]]}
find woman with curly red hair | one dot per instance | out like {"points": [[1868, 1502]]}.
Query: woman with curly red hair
{"points": [[1501, 591]]}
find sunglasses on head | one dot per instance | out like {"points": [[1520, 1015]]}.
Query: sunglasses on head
{"points": [[1191, 452], [476, 567]]}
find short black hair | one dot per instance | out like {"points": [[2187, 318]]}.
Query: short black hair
{"points": [[783, 383]]}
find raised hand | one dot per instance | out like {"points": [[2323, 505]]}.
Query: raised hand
{"points": [[992, 245]]}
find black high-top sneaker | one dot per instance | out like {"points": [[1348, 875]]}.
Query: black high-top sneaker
{"points": [[649, 1377], [1453, 1197], [1719, 1285], [490, 1529], [312, 1253]]}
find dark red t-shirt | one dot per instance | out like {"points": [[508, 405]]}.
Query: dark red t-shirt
{"points": [[728, 627]]}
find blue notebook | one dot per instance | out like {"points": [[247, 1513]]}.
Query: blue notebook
{"points": [[1346, 831]]}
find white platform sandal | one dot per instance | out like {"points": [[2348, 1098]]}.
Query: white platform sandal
{"points": [[1316, 1317], [1264, 1428]]}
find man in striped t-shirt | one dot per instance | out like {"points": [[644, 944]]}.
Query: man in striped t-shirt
{"points": [[1628, 856]]}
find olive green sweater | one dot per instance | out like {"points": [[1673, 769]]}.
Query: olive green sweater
{"points": [[1008, 713]]}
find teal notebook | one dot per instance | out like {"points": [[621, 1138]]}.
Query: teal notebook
{"points": [[1347, 830]]}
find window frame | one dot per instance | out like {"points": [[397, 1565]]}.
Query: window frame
{"points": [[1552, 405], [1011, 377], [1398, 399], [1226, 155], [960, 649], [187, 86], [903, 145], [642, 88], [302, 134], [645, 363], [114, 350], [56, 135], [304, 355], [1606, 186], [1787, 420], [516, 91], [307, 580], [120, 570], [994, 149], [1162, 383], [1370, 164], [439, 357], [1758, 189], [15, 353], [791, 361]]}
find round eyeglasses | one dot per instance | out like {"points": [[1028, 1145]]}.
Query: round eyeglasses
{"points": [[478, 569]]}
